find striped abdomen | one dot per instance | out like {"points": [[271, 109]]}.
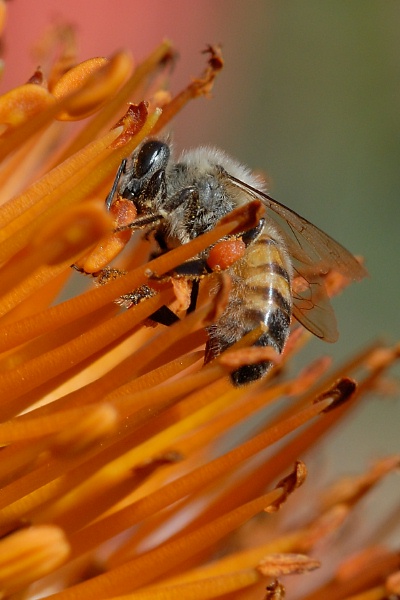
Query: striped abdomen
{"points": [[261, 293]]}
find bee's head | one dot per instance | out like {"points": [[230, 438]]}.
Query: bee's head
{"points": [[145, 185], [152, 156]]}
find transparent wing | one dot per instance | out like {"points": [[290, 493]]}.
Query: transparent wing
{"points": [[314, 253], [312, 307]]}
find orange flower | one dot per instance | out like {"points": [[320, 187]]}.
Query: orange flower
{"points": [[111, 430]]}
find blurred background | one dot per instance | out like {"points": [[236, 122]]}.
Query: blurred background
{"points": [[310, 96]]}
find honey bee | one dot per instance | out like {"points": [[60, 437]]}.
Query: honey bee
{"points": [[180, 200]]}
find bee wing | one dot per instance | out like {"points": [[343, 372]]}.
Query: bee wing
{"points": [[308, 243], [312, 308], [313, 253], [311, 304]]}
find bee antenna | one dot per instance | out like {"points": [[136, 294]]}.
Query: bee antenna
{"points": [[110, 197]]}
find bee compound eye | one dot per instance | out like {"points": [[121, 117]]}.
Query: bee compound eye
{"points": [[152, 156]]}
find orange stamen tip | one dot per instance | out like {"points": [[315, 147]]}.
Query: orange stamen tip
{"points": [[338, 394], [71, 233], [29, 554], [182, 291], [132, 122], [288, 485], [106, 250], [24, 102], [275, 565], [37, 77], [87, 432], [74, 78], [123, 213], [90, 84], [248, 216]]}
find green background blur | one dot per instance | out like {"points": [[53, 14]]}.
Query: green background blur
{"points": [[311, 95]]}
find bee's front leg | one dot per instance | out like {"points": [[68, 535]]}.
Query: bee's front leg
{"points": [[103, 276], [109, 274]]}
